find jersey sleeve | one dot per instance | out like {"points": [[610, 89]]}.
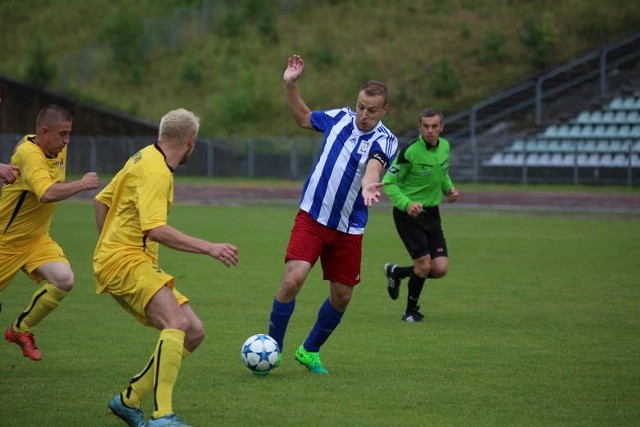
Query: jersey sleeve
{"points": [[447, 184], [34, 170], [324, 120], [152, 200], [105, 196]]}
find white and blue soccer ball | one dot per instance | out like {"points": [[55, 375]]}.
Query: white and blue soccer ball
{"points": [[260, 353]]}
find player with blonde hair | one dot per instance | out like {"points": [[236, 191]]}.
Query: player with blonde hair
{"points": [[132, 218]]}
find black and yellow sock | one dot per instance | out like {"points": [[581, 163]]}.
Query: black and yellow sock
{"points": [[168, 358], [43, 302], [142, 384]]}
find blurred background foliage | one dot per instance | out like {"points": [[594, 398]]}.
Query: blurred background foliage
{"points": [[224, 59]]}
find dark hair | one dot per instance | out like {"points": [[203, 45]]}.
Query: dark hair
{"points": [[52, 114], [375, 88], [431, 112]]}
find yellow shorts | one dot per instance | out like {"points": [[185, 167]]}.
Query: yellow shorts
{"points": [[136, 286], [28, 259]]}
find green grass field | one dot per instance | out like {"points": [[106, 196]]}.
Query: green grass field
{"points": [[538, 323]]}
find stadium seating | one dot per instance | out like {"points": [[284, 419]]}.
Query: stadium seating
{"points": [[608, 137]]}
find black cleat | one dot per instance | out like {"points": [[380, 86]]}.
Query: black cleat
{"points": [[413, 316], [393, 285]]}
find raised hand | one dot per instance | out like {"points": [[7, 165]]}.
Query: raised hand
{"points": [[295, 67]]}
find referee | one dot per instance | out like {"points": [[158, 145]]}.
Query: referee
{"points": [[415, 184]]}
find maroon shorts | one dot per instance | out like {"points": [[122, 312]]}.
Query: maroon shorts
{"points": [[340, 253]]}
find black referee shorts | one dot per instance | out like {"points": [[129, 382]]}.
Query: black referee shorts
{"points": [[423, 234]]}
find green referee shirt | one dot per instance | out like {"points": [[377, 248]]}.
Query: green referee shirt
{"points": [[419, 174]]}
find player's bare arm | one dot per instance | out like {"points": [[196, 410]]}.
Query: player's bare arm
{"points": [[173, 238], [371, 182], [61, 191], [101, 211], [299, 109]]}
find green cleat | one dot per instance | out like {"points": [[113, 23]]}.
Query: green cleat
{"points": [[263, 373], [310, 360]]}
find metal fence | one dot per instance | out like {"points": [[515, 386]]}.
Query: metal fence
{"points": [[291, 158], [286, 158]]}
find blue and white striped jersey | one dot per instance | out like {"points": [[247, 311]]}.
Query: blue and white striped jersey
{"points": [[332, 192]]}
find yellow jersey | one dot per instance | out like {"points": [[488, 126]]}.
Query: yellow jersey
{"points": [[23, 217], [139, 198]]}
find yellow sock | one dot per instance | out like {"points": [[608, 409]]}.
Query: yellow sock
{"points": [[168, 358], [43, 302], [142, 384]]}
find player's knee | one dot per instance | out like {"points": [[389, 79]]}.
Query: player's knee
{"points": [[179, 322], [340, 297], [422, 270], [289, 288], [344, 299], [196, 334], [437, 274], [439, 269], [63, 280]]}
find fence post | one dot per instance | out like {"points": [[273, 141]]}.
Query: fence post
{"points": [[575, 164], [93, 155], [293, 160], [474, 141], [210, 158], [250, 159], [525, 165], [629, 167]]}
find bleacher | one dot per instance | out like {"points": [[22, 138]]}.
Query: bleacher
{"points": [[604, 138]]}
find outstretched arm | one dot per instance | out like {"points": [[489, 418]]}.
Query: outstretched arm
{"points": [[175, 239], [302, 113], [61, 191], [371, 182]]}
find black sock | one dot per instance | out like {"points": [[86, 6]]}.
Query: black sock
{"points": [[402, 272], [415, 289]]}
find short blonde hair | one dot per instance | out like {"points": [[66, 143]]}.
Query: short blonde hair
{"points": [[375, 88], [178, 125]]}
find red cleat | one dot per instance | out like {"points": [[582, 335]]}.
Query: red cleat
{"points": [[26, 341]]}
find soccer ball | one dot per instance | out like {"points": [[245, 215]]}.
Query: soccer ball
{"points": [[260, 353]]}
